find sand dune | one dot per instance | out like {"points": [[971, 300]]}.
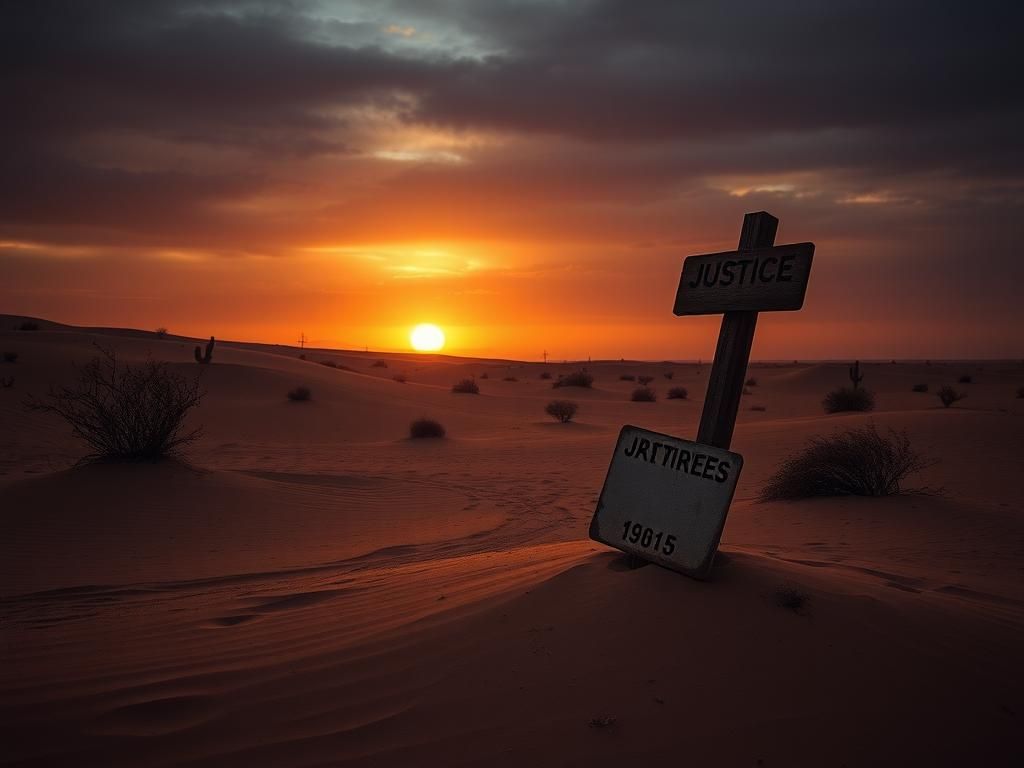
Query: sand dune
{"points": [[316, 589]]}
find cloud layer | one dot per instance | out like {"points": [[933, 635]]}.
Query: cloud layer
{"points": [[541, 138]]}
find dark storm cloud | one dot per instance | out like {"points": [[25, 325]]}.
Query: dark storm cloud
{"points": [[656, 92]]}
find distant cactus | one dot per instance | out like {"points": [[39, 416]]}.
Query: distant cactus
{"points": [[855, 374], [208, 356]]}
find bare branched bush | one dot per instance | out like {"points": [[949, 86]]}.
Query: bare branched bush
{"points": [[161, 332], [424, 428], [562, 410], [947, 395], [466, 387], [643, 395], [126, 412], [300, 395], [575, 379], [848, 399], [858, 462], [677, 393]]}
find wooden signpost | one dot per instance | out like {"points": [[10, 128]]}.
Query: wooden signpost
{"points": [[666, 499]]}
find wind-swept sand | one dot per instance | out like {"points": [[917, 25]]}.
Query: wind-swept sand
{"points": [[316, 589]]}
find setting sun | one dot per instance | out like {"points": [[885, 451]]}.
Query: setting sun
{"points": [[426, 337]]}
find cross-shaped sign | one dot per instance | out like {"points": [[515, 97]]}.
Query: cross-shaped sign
{"points": [[666, 499]]}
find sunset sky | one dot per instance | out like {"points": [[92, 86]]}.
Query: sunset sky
{"points": [[527, 175]]}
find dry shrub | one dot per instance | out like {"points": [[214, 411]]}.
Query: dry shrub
{"points": [[423, 428], [28, 325], [760, 408], [644, 380], [510, 378], [401, 378], [546, 375], [643, 395], [300, 395], [126, 412], [627, 377], [751, 382], [10, 357], [575, 379], [858, 462], [378, 364], [677, 393], [562, 410], [485, 375], [466, 387], [669, 375], [919, 388], [848, 399], [965, 379], [948, 396]]}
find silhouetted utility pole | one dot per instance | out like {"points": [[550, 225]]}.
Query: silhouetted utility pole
{"points": [[545, 356], [302, 340]]}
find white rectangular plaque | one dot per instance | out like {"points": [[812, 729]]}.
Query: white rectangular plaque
{"points": [[665, 499]]}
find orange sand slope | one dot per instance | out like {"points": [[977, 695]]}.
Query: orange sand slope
{"points": [[316, 589]]}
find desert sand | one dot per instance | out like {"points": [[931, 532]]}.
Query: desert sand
{"points": [[311, 587]]}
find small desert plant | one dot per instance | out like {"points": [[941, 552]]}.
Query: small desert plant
{"points": [[791, 598], [919, 388], [643, 395], [848, 399], [562, 410], [7, 382], [161, 332], [546, 375], [858, 462], [669, 375], [329, 363], [751, 382], [856, 377], [10, 357], [401, 378], [378, 364], [126, 412], [510, 378], [627, 377], [677, 393], [300, 395], [746, 391], [644, 380], [302, 357], [206, 357], [485, 375], [760, 408], [422, 428], [948, 396], [575, 379], [965, 379], [28, 325], [466, 387]]}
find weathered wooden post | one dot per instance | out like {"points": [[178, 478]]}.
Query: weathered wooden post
{"points": [[665, 499]]}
